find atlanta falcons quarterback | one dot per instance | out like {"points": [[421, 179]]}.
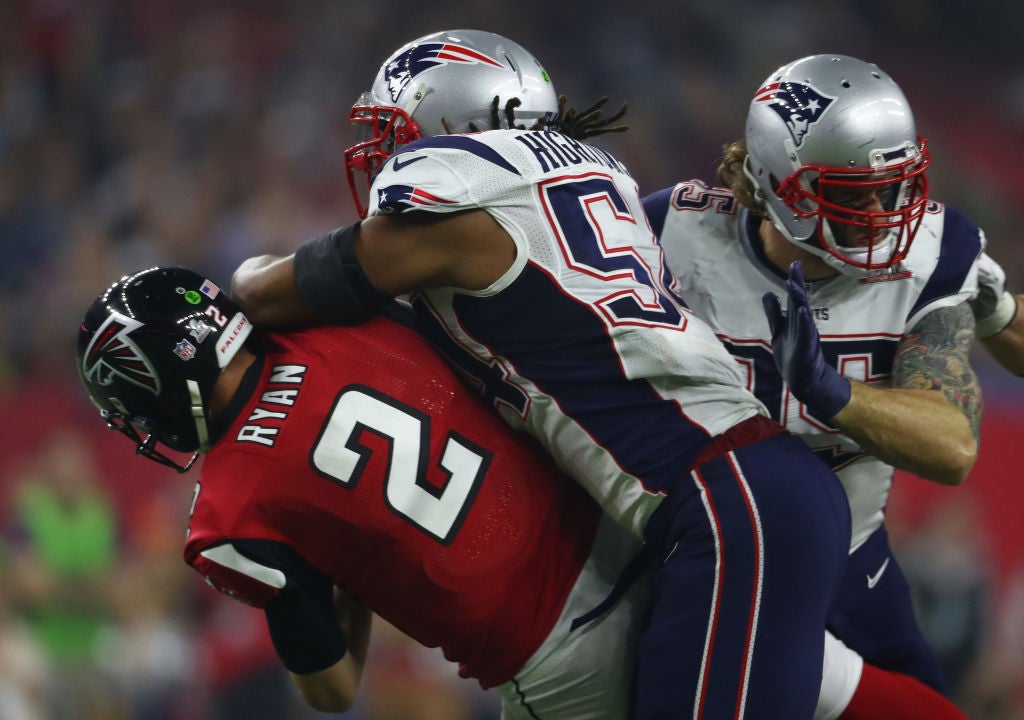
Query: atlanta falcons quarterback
{"points": [[351, 463], [826, 203]]}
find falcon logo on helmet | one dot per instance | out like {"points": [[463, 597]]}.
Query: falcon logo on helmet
{"points": [[420, 58], [799, 106], [112, 353]]}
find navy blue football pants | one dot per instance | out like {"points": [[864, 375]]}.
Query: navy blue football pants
{"points": [[753, 548], [874, 615]]}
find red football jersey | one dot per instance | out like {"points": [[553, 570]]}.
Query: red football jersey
{"points": [[361, 450]]}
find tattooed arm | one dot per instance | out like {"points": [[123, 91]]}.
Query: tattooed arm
{"points": [[927, 421]]}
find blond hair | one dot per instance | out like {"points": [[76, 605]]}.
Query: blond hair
{"points": [[731, 175]]}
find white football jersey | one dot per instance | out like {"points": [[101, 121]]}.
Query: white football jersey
{"points": [[712, 246], [580, 342]]}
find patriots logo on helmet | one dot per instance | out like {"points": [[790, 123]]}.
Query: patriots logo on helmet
{"points": [[396, 198], [113, 354], [799, 105], [402, 69]]}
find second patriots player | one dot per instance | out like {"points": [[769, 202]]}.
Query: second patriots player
{"points": [[827, 204]]}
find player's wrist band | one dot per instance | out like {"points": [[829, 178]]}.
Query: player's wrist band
{"points": [[1003, 315]]}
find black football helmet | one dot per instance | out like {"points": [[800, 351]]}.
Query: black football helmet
{"points": [[149, 352]]}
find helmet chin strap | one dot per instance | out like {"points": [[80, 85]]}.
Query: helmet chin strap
{"points": [[198, 415]]}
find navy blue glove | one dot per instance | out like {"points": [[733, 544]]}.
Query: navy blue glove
{"points": [[797, 350]]}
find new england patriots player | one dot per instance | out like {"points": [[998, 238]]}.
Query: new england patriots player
{"points": [[533, 270], [826, 202], [347, 463]]}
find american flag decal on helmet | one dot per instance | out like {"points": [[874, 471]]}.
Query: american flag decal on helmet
{"points": [[799, 105], [419, 58], [112, 353], [396, 198]]}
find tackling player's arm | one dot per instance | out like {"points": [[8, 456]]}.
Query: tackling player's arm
{"points": [[346, 275], [265, 290], [928, 421]]}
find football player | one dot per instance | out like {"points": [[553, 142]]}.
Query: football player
{"points": [[533, 270], [347, 470], [826, 203]]}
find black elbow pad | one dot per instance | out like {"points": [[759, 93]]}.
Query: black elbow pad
{"points": [[332, 282]]}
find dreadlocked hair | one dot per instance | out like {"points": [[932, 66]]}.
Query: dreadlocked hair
{"points": [[577, 125], [509, 112], [731, 175], [589, 122]]}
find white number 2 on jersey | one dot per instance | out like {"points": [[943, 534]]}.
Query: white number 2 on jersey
{"points": [[438, 511]]}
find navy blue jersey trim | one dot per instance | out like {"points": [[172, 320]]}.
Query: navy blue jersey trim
{"points": [[461, 142], [564, 349], [959, 248], [751, 230], [656, 206]]}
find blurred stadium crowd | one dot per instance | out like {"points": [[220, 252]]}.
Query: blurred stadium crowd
{"points": [[143, 132]]}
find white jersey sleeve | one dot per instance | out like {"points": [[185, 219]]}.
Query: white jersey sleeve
{"points": [[412, 180]]}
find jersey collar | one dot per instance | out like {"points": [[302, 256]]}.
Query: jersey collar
{"points": [[238, 401]]}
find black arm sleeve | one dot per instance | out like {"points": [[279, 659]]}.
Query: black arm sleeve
{"points": [[331, 281], [301, 619]]}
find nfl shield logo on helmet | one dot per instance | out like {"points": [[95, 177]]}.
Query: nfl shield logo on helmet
{"points": [[185, 350], [419, 58], [799, 106]]}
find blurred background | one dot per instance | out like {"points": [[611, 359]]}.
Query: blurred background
{"points": [[199, 132]]}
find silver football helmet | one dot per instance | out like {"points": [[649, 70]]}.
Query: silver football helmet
{"points": [[834, 155], [445, 83]]}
